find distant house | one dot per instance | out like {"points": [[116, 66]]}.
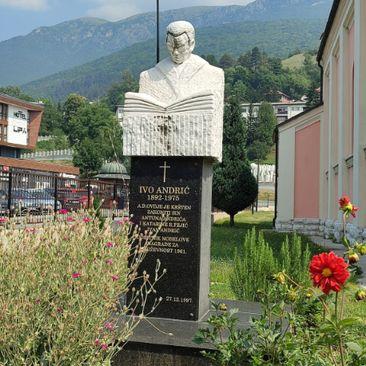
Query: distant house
{"points": [[20, 122], [284, 109], [19, 125], [321, 152]]}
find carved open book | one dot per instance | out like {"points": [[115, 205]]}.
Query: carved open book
{"points": [[144, 103], [187, 127]]}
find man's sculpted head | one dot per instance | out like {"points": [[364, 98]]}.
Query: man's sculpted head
{"points": [[180, 41]]}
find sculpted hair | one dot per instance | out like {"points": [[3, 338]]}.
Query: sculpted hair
{"points": [[180, 27]]}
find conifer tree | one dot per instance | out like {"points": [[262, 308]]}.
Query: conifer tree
{"points": [[234, 187]]}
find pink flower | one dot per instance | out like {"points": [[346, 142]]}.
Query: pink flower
{"points": [[109, 244], [3, 220], [125, 220], [76, 275], [109, 261], [109, 326], [63, 211], [97, 342], [70, 219], [31, 230], [104, 347], [87, 219], [115, 278]]}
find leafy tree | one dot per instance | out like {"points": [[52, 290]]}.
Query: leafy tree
{"points": [[226, 61], [72, 104], [262, 139], [211, 59], [16, 92], [116, 94], [89, 157], [234, 187], [52, 118], [244, 59], [94, 126], [313, 95], [255, 58]]}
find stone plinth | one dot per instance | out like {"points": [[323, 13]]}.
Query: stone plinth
{"points": [[175, 193]]}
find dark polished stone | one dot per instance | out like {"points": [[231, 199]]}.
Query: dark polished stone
{"points": [[168, 342], [175, 193]]}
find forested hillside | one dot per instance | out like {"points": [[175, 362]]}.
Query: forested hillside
{"points": [[276, 38]]}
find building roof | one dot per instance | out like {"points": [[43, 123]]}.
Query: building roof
{"points": [[113, 170], [328, 28], [36, 165], [4, 98]]}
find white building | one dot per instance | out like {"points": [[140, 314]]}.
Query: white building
{"points": [[283, 109], [322, 152]]}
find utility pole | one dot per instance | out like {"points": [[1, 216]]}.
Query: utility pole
{"points": [[157, 31]]}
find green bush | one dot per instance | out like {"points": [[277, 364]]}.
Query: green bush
{"points": [[253, 267], [256, 263], [294, 260]]}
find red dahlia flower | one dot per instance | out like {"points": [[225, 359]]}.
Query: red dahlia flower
{"points": [[328, 272], [344, 201], [346, 206]]}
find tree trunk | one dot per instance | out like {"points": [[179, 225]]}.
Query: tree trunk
{"points": [[232, 219]]}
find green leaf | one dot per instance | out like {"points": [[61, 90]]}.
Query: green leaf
{"points": [[355, 347]]}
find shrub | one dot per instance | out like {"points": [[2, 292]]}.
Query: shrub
{"points": [[294, 260], [60, 291], [255, 265]]}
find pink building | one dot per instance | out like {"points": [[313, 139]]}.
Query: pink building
{"points": [[322, 151]]}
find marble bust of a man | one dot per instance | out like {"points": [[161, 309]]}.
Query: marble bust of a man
{"points": [[179, 108], [183, 73]]}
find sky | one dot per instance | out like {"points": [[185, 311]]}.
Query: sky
{"points": [[19, 17]]}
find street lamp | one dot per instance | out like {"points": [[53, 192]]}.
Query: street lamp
{"points": [[157, 32]]}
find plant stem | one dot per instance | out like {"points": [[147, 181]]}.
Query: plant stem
{"points": [[336, 306]]}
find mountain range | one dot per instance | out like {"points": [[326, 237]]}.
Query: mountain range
{"points": [[277, 38], [48, 50]]}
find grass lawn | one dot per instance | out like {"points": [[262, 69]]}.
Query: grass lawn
{"points": [[225, 239]]}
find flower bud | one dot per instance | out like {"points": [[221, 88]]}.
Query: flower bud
{"points": [[280, 278], [309, 294], [222, 307], [360, 295], [353, 258], [292, 295], [362, 249]]}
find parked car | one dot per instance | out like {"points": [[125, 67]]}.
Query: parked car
{"points": [[27, 201]]}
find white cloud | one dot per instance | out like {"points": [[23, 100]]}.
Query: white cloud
{"points": [[119, 9], [25, 4], [113, 9]]}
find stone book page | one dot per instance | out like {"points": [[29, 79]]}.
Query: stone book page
{"points": [[144, 103]]}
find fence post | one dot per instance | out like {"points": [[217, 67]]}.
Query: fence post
{"points": [[10, 184], [55, 194], [88, 194]]}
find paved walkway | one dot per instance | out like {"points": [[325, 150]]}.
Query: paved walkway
{"points": [[339, 250]]}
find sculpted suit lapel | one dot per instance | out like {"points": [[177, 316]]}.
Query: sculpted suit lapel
{"points": [[176, 75]]}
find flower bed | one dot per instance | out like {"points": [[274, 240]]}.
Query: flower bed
{"points": [[62, 290]]}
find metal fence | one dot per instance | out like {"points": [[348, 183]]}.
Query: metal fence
{"points": [[36, 194]]}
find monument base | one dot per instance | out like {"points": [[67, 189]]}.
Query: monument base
{"points": [[168, 342], [172, 196]]}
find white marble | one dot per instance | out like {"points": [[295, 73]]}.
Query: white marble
{"points": [[179, 109]]}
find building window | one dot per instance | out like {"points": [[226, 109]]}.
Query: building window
{"points": [[3, 133], [3, 111]]}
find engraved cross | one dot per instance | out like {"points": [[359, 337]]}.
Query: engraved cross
{"points": [[165, 167]]}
